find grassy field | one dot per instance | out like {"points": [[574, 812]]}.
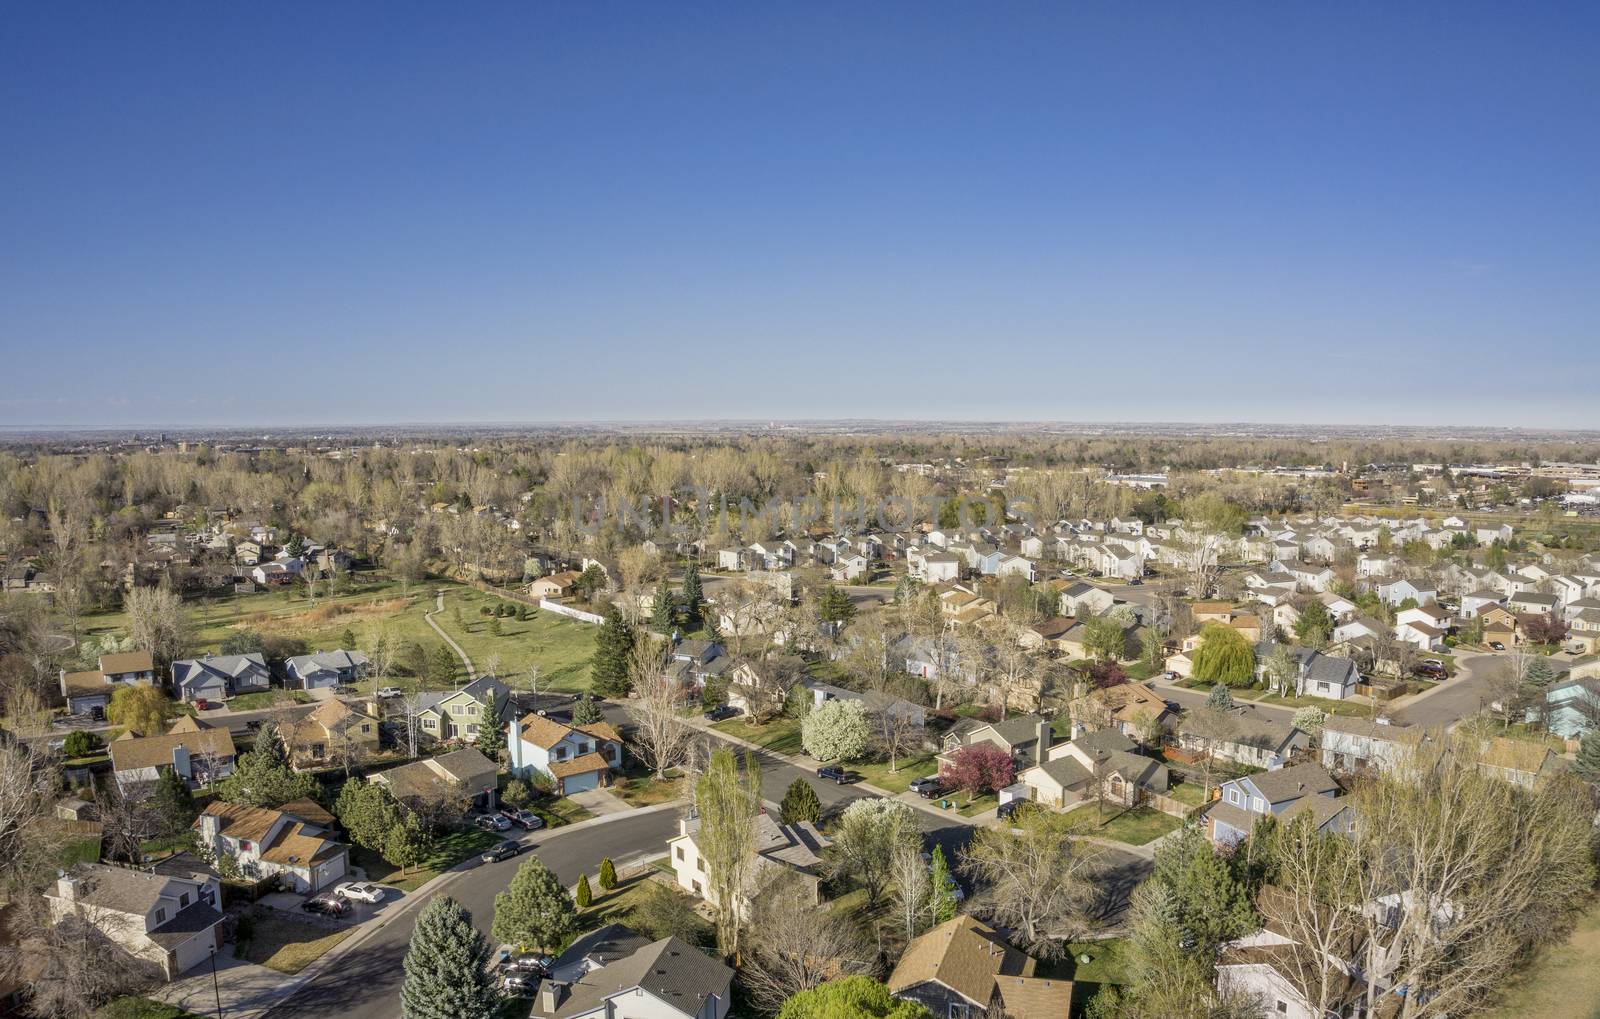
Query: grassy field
{"points": [[1188, 792], [287, 945], [781, 734], [911, 769], [1135, 827], [1563, 983], [451, 850]]}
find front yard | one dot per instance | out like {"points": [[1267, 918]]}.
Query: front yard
{"points": [[910, 769], [639, 787], [1134, 827], [450, 850], [280, 942], [781, 735], [267, 699], [560, 811], [1563, 982], [142, 1008]]}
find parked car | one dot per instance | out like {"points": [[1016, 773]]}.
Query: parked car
{"points": [[326, 905], [1427, 671], [834, 773], [504, 851], [391, 691], [522, 985], [720, 712], [364, 891], [1495, 645], [526, 962], [527, 820], [1008, 810], [928, 787], [492, 822], [201, 704]]}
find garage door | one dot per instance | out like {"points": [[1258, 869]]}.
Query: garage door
{"points": [[579, 783]]}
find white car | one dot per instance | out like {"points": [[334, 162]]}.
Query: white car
{"points": [[391, 691], [365, 891]]}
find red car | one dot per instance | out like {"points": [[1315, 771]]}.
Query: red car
{"points": [[201, 704]]}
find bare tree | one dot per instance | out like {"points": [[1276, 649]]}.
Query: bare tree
{"points": [[780, 957], [130, 817], [913, 889], [158, 623], [662, 738], [1038, 882], [28, 781], [728, 798], [1315, 902], [75, 965]]}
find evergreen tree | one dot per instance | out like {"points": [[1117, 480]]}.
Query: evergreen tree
{"points": [[944, 888], [1587, 765], [800, 803], [713, 632], [173, 802], [664, 614], [835, 606], [406, 844], [445, 663], [534, 909], [447, 967], [1219, 699], [367, 813], [608, 874], [693, 594], [611, 650], [491, 739], [262, 777], [1315, 625], [1210, 901], [586, 710], [349, 638], [584, 896], [495, 629]]}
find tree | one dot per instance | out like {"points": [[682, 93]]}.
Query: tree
{"points": [[1209, 901], [1587, 765], [944, 902], [445, 663], [781, 958], [535, 908], [1283, 670], [1037, 881], [979, 768], [583, 897], [495, 627], [1309, 719], [608, 874], [140, 708], [1549, 628], [663, 613], [855, 997], [662, 739], [836, 730], [1224, 656], [612, 649], [693, 595], [834, 606], [1105, 639], [586, 710], [864, 845], [244, 642], [367, 813], [728, 797], [406, 843], [491, 738], [1219, 699], [157, 623], [262, 777], [173, 802], [800, 804], [80, 743], [1315, 624], [447, 967], [913, 890], [662, 911]]}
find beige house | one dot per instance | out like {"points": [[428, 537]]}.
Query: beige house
{"points": [[793, 847], [463, 776], [268, 843], [89, 693], [556, 585], [172, 922], [332, 732], [1096, 766], [198, 751], [963, 968]]}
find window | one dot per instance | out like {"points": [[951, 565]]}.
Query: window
{"points": [[697, 889], [458, 709], [161, 915], [1283, 1008], [183, 900], [245, 846], [430, 723], [1258, 805], [700, 864], [472, 730], [561, 753], [1234, 796], [680, 852]]}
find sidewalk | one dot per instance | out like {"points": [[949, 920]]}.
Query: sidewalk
{"points": [[428, 618]]}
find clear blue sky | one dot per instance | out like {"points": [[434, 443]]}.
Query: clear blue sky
{"points": [[220, 213]]}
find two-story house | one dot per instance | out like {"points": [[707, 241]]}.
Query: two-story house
{"points": [[576, 757], [963, 969], [172, 922], [264, 843], [1026, 738], [1358, 746], [89, 693], [218, 677], [1285, 793], [1244, 735], [199, 752], [485, 700], [325, 670], [332, 731], [796, 848], [666, 979]]}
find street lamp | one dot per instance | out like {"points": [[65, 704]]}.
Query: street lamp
{"points": [[215, 989]]}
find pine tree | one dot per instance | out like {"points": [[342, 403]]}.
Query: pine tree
{"points": [[585, 710], [1587, 765], [693, 595], [491, 739], [172, 801], [663, 615], [447, 967], [349, 638], [835, 606], [262, 777], [608, 874], [534, 909], [445, 662], [1219, 699], [800, 803], [944, 888], [584, 896], [611, 650]]}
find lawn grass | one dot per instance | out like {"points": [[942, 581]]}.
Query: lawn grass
{"points": [[1134, 827], [1191, 793], [264, 699], [645, 790], [450, 850], [911, 769], [1563, 982], [1107, 964], [988, 801], [287, 945], [142, 1008], [559, 647], [559, 812], [782, 734], [1350, 709], [614, 906]]}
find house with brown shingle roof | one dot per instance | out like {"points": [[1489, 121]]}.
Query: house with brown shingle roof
{"points": [[961, 967], [465, 775], [89, 693], [576, 757], [199, 752], [265, 843], [327, 732]]}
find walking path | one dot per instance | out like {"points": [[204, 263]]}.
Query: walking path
{"points": [[439, 607]]}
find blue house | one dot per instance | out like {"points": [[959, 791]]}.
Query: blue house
{"points": [[1285, 793], [1572, 708]]}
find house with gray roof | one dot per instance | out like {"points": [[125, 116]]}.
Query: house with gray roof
{"points": [[1100, 765], [326, 669], [1285, 793], [1316, 674], [666, 979], [173, 922], [218, 677]]}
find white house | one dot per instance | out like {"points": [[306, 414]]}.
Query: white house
{"points": [[172, 922], [1397, 591], [576, 757], [608, 975], [793, 847]]}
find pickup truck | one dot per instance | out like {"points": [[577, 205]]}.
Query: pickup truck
{"points": [[834, 773]]}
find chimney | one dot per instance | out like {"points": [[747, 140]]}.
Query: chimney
{"points": [[210, 829], [180, 761], [67, 887], [551, 994], [1041, 750]]}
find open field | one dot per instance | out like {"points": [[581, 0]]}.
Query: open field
{"points": [[1563, 982]]}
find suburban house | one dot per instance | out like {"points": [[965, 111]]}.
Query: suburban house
{"points": [[1285, 793], [326, 670], [795, 848], [1245, 736], [1397, 591], [757, 686], [458, 715], [666, 979], [1025, 737], [267, 843], [1133, 709], [172, 922], [576, 757], [848, 567], [1521, 762], [1080, 599], [556, 586], [333, 731], [465, 776], [932, 566], [962, 968], [89, 693], [1095, 766], [875, 702], [1269, 965], [218, 677], [1316, 674], [1357, 746], [199, 752], [1499, 625]]}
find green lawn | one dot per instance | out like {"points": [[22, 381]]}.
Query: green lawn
{"points": [[1106, 964], [643, 789], [561, 811], [142, 1008], [451, 850], [988, 801], [288, 945], [1563, 982], [1134, 827], [561, 648], [1190, 793], [1352, 709], [782, 734], [911, 769], [267, 699]]}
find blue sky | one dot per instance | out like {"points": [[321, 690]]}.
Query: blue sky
{"points": [[221, 214]]}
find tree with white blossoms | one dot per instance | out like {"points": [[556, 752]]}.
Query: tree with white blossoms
{"points": [[836, 730], [1309, 719], [870, 833]]}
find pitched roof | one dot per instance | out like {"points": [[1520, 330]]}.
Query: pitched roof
{"points": [[78, 684], [127, 661], [1034, 997], [670, 970], [581, 765], [136, 752], [543, 731], [1300, 780], [963, 955]]}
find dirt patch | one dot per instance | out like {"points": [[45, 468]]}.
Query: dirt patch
{"points": [[322, 615]]}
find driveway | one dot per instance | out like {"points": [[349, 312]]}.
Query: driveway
{"points": [[245, 989], [600, 801]]}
